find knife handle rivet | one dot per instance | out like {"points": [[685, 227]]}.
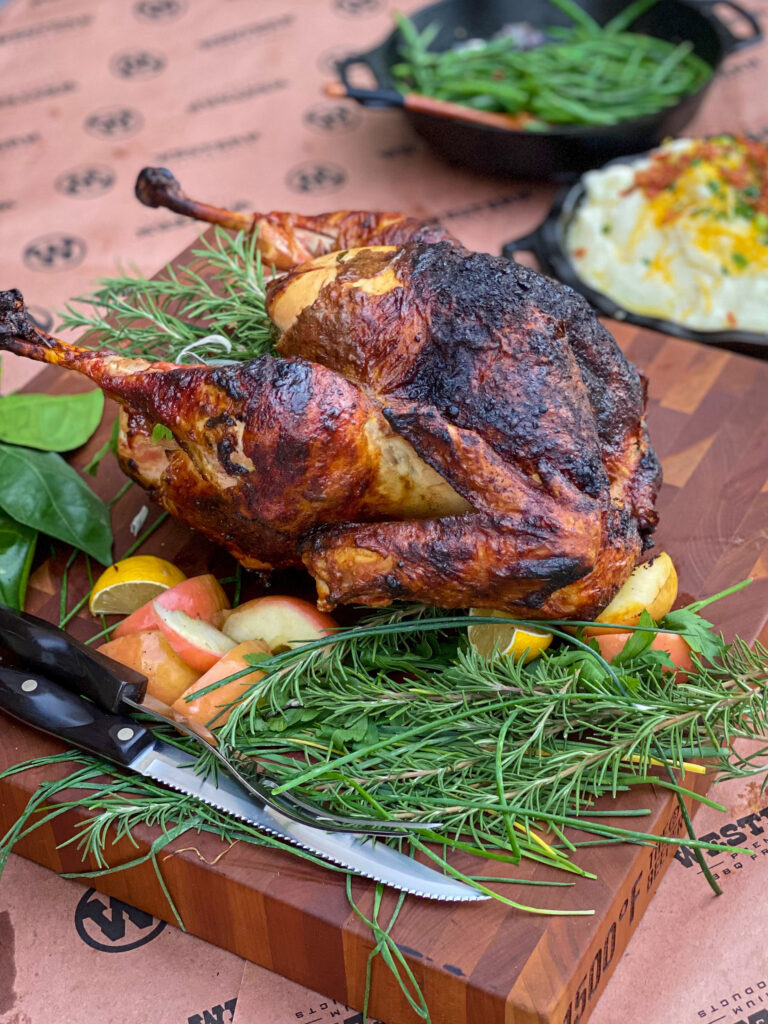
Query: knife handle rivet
{"points": [[29, 685], [125, 734]]}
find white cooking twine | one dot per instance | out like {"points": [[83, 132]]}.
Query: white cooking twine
{"points": [[210, 341]]}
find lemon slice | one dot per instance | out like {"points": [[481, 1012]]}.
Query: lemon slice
{"points": [[127, 585], [490, 639]]}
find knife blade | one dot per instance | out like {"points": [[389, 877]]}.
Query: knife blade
{"points": [[38, 701], [116, 688]]}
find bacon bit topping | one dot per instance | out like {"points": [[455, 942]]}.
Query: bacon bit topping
{"points": [[735, 161], [730, 319], [580, 253]]}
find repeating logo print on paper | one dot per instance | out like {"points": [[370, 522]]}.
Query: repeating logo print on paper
{"points": [[355, 8], [327, 1011], [109, 925], [159, 10], [315, 177], [749, 1003], [86, 182], [220, 1014], [332, 117], [114, 122], [54, 252], [136, 64]]}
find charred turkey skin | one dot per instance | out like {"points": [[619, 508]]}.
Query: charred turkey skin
{"points": [[507, 385], [437, 425]]}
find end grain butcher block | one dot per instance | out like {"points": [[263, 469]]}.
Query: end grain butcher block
{"points": [[481, 962]]}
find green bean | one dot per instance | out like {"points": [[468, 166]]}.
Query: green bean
{"points": [[583, 74], [578, 16], [504, 92], [628, 16]]}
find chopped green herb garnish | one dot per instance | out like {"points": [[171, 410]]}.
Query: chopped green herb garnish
{"points": [[161, 433]]}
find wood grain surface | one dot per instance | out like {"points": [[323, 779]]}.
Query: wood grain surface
{"points": [[490, 963]]}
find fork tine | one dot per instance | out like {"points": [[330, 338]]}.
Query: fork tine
{"points": [[308, 814], [312, 815]]}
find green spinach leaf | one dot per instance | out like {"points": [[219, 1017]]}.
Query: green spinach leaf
{"points": [[50, 423], [39, 490], [17, 548]]}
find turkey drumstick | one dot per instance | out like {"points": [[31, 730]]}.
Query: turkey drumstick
{"points": [[288, 239]]}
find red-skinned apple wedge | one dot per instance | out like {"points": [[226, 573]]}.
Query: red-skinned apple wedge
{"points": [[278, 621], [677, 648], [195, 641], [150, 653], [201, 597], [207, 709]]}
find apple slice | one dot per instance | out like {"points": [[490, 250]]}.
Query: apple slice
{"points": [[200, 596], [652, 587], [207, 709], [152, 704], [677, 648], [278, 621], [150, 653], [195, 641]]}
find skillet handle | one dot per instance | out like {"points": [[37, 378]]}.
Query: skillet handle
{"points": [[526, 243], [532, 242], [734, 42], [367, 97]]}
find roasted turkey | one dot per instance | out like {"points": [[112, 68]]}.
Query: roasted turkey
{"points": [[438, 425]]}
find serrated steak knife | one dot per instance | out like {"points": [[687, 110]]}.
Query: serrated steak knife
{"points": [[35, 699]]}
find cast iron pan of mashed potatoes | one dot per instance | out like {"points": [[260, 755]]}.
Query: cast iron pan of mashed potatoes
{"points": [[675, 240]]}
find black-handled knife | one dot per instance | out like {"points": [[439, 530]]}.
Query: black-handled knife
{"points": [[107, 683], [33, 698], [116, 688], [38, 701]]}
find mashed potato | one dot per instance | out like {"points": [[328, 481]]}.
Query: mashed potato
{"points": [[681, 235]]}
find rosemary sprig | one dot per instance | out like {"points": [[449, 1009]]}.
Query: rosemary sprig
{"points": [[183, 313], [400, 717], [403, 718]]}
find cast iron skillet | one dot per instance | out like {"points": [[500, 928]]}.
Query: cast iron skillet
{"points": [[547, 243], [568, 149]]}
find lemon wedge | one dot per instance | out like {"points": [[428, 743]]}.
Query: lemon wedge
{"points": [[489, 639], [127, 585]]}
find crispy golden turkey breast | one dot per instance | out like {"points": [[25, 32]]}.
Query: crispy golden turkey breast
{"points": [[437, 425]]}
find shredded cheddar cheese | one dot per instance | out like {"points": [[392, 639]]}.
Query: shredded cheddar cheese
{"points": [[681, 234]]}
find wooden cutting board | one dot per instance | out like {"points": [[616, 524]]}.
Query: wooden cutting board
{"points": [[708, 419]]}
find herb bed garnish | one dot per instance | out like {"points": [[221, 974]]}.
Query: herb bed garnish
{"points": [[184, 314], [398, 717]]}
